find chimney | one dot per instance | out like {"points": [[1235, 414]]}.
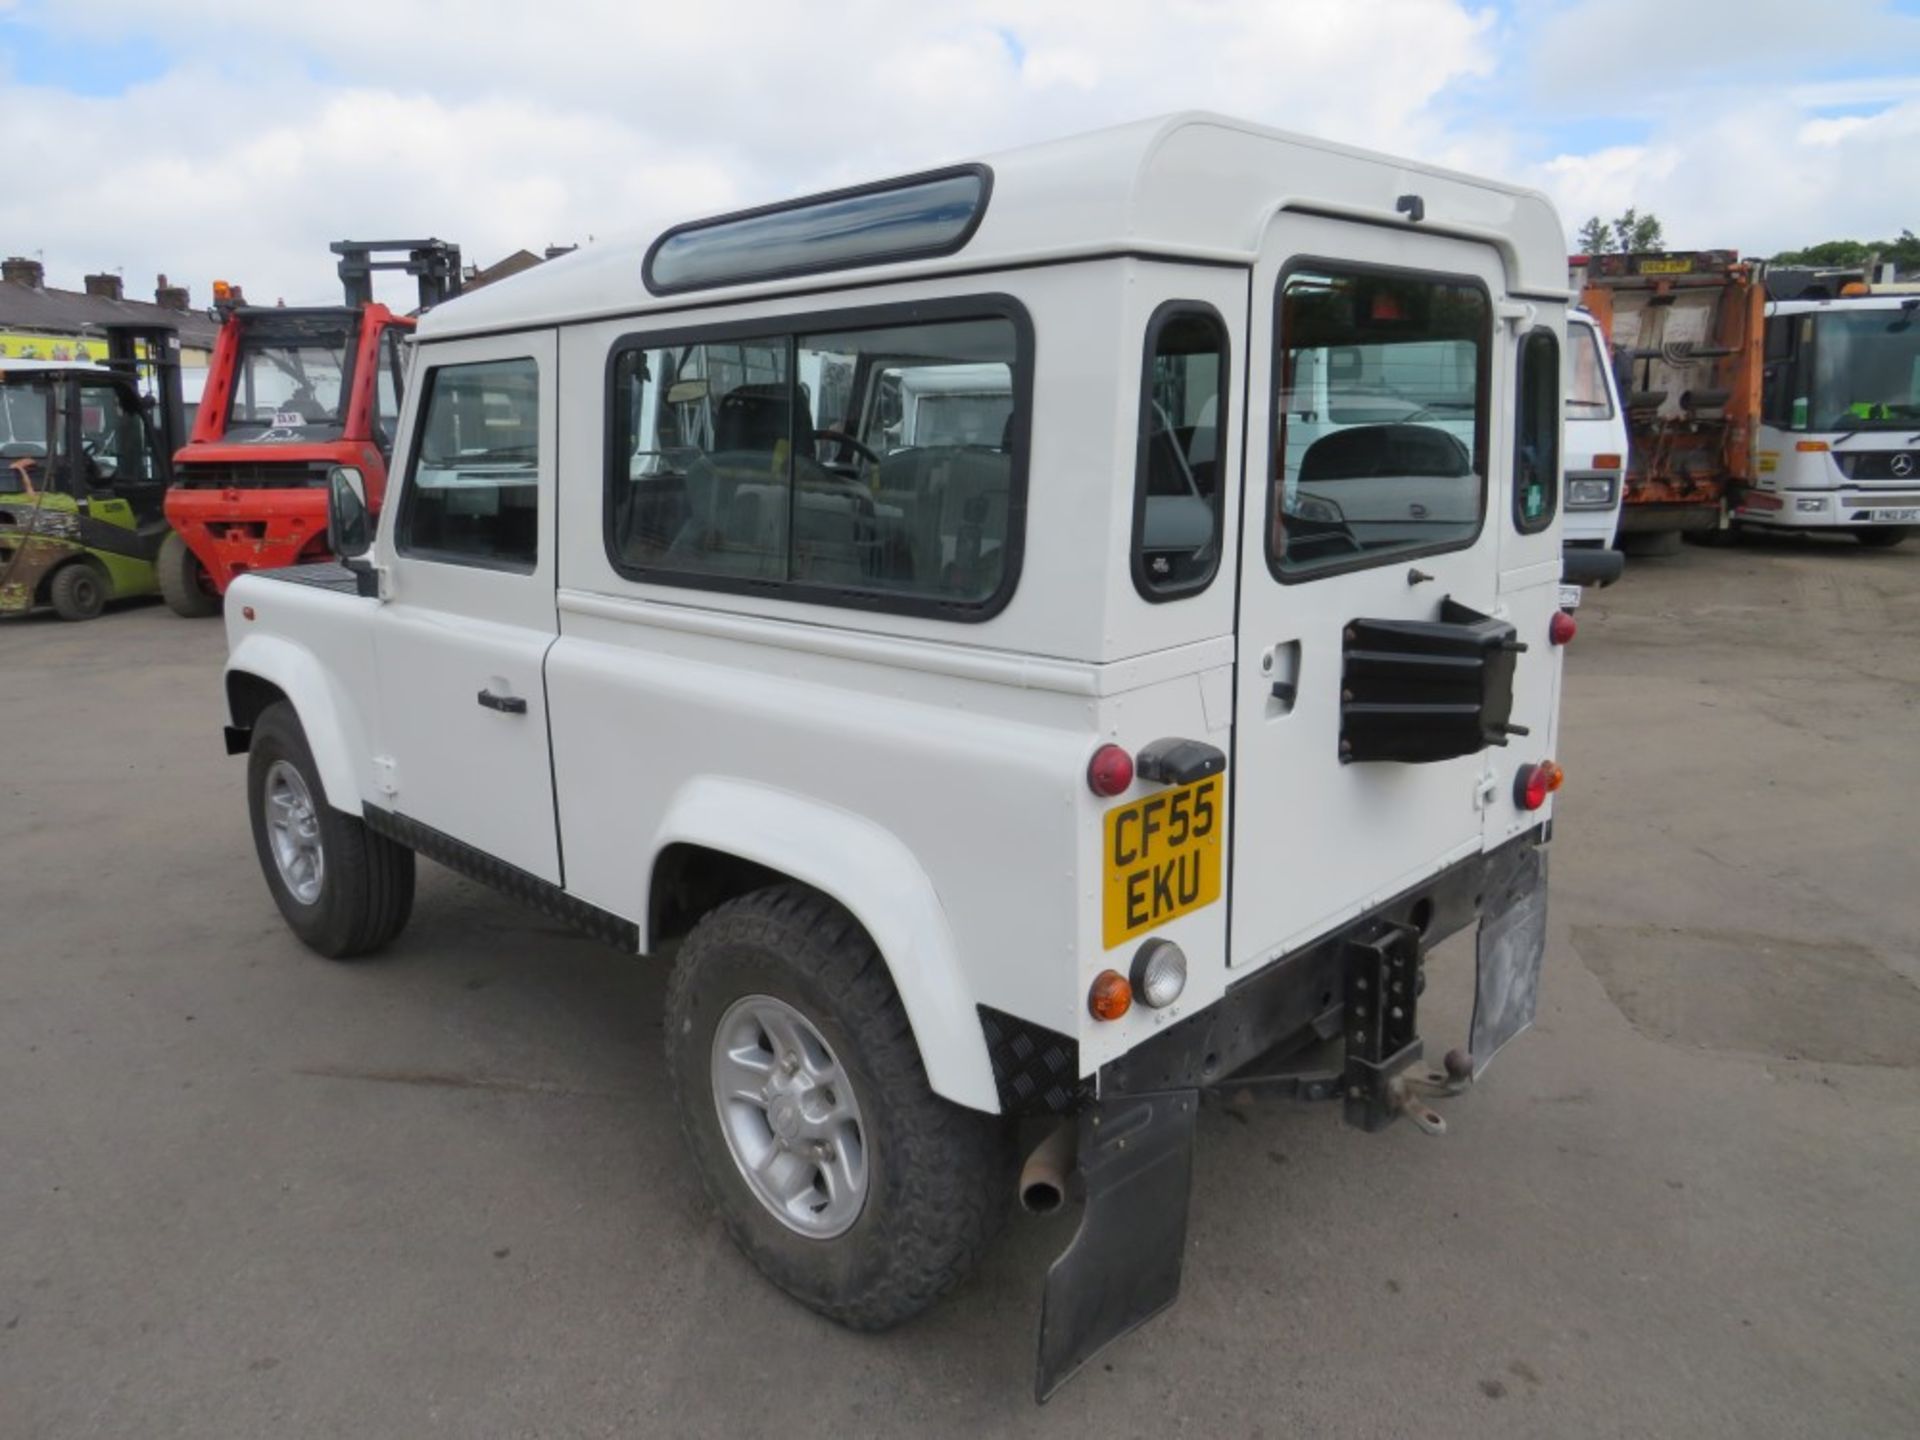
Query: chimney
{"points": [[18, 270], [171, 297], [104, 287]]}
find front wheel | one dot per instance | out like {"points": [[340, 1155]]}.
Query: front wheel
{"points": [[344, 890], [184, 581], [1881, 537], [804, 1103], [77, 591]]}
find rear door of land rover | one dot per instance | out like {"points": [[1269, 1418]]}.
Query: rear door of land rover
{"points": [[1373, 451]]}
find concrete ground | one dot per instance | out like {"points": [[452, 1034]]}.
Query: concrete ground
{"points": [[247, 1192]]}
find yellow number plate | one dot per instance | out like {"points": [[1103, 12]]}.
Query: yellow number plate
{"points": [[1163, 859], [1666, 267]]}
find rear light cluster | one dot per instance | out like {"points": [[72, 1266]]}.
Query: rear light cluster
{"points": [[1562, 627], [1110, 771], [1532, 784], [1158, 976]]}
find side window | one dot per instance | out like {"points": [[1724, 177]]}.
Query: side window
{"points": [[872, 465], [1587, 397], [1536, 437], [1380, 416], [1178, 483], [472, 491], [386, 390], [113, 438]]}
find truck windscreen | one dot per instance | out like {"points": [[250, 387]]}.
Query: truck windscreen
{"points": [[291, 380], [1866, 370], [23, 419]]}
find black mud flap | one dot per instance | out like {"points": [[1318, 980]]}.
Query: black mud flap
{"points": [[1123, 1265], [1512, 944]]}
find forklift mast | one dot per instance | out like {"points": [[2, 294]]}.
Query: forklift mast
{"points": [[435, 263], [162, 362]]}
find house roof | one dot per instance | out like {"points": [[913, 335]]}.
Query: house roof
{"points": [[1192, 186], [74, 312]]}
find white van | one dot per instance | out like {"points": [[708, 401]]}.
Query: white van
{"points": [[975, 798], [1596, 439]]}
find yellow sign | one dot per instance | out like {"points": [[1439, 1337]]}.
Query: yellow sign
{"points": [[24, 345], [1769, 461], [1666, 267], [1163, 859]]}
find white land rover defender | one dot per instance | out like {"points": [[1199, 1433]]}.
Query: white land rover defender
{"points": [[1054, 770]]}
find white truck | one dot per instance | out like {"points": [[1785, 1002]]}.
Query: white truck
{"points": [[969, 806], [1839, 438], [1596, 439]]}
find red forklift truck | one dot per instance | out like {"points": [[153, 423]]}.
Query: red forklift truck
{"points": [[292, 392]]}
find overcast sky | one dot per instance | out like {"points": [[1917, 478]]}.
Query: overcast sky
{"points": [[236, 138]]}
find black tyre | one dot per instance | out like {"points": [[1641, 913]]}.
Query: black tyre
{"points": [[183, 580], [791, 1059], [1648, 543], [77, 591], [344, 890], [1881, 537]]}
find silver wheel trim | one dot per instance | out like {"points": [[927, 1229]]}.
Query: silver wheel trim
{"points": [[293, 832], [791, 1120]]}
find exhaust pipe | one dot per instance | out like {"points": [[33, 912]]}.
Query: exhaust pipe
{"points": [[1043, 1179]]}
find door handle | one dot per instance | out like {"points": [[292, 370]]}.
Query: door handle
{"points": [[505, 704]]}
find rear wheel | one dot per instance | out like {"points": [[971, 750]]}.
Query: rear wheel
{"points": [[77, 591], [184, 580], [1881, 537], [802, 1096], [344, 890]]}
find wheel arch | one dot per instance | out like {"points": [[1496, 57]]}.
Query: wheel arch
{"points": [[723, 837], [266, 668]]}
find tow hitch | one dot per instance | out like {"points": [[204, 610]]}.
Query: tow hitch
{"points": [[1128, 1156]]}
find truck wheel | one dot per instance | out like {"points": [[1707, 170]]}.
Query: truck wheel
{"points": [[844, 1178], [344, 890], [183, 580], [1883, 537], [1645, 543], [77, 592]]}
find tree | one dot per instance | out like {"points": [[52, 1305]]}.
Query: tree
{"points": [[1853, 254], [1629, 231]]}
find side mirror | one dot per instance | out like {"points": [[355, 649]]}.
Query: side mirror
{"points": [[350, 522]]}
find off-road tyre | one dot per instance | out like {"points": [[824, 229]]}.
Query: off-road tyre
{"points": [[183, 580], [1644, 544], [77, 591], [366, 891], [940, 1175], [1882, 537]]}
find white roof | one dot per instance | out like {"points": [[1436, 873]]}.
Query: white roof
{"points": [[1881, 301], [1193, 185]]}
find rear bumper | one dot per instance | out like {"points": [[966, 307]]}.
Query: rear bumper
{"points": [[1309, 1026]]}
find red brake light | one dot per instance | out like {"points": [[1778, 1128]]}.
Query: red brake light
{"points": [[1562, 627], [1533, 783], [1110, 771]]}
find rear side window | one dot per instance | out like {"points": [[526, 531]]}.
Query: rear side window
{"points": [[1177, 480], [472, 494], [1380, 415], [1536, 441], [846, 460]]}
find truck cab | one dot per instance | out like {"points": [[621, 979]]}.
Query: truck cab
{"points": [[1839, 436], [982, 804], [1596, 438]]}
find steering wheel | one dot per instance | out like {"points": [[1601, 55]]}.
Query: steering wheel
{"points": [[838, 438]]}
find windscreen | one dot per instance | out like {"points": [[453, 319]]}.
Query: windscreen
{"points": [[23, 420], [291, 380], [1587, 397], [1866, 370]]}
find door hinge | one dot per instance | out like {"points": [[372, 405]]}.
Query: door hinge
{"points": [[386, 777]]}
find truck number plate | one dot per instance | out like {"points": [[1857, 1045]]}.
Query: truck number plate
{"points": [[1163, 859], [1666, 267], [1895, 517]]}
